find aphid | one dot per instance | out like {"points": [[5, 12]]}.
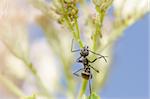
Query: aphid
{"points": [[86, 72]]}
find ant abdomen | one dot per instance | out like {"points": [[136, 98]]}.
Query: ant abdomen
{"points": [[85, 75]]}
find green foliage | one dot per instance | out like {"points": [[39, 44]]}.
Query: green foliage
{"points": [[94, 96]]}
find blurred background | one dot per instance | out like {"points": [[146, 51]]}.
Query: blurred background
{"points": [[129, 76], [35, 43]]}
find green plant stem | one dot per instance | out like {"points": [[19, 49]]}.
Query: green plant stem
{"points": [[78, 33], [95, 36], [99, 20], [67, 20], [83, 88], [77, 38], [70, 27], [75, 34], [11, 86], [77, 28]]}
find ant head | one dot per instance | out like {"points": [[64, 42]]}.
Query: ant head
{"points": [[84, 51]]}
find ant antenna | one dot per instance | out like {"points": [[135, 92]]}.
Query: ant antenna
{"points": [[76, 50], [104, 57]]}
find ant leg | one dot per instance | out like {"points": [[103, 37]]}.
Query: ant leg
{"points": [[72, 48], [101, 56], [90, 87], [78, 60], [94, 69], [75, 73]]}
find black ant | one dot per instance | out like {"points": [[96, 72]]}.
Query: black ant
{"points": [[86, 72]]}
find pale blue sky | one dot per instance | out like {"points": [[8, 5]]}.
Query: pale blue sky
{"points": [[128, 78]]}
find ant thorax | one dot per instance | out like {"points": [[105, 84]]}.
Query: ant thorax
{"points": [[84, 51], [85, 61]]}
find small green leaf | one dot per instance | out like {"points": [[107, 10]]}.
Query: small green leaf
{"points": [[83, 97], [94, 96]]}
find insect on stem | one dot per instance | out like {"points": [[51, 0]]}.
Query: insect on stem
{"points": [[86, 72]]}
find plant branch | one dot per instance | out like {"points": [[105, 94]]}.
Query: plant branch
{"points": [[83, 88], [31, 68], [75, 34], [11, 86]]}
